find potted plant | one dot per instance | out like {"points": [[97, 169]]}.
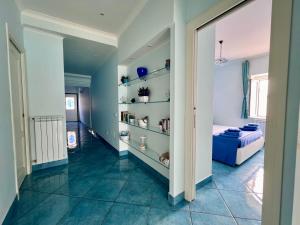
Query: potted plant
{"points": [[124, 79], [144, 94]]}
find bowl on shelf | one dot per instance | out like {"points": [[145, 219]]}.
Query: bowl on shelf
{"points": [[142, 71], [142, 123], [144, 99], [124, 138]]}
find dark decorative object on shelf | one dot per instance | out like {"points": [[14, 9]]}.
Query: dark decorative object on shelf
{"points": [[132, 100], [131, 119], [142, 71], [124, 79], [168, 64], [144, 91], [144, 94], [164, 125]]}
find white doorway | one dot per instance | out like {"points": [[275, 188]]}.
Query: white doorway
{"points": [[71, 108], [279, 151], [18, 114]]}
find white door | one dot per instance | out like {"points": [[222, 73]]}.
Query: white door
{"points": [[18, 111], [71, 107]]}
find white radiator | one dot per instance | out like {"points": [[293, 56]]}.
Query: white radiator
{"points": [[48, 140]]}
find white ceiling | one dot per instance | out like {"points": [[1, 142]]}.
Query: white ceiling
{"points": [[85, 57], [246, 32], [117, 13]]}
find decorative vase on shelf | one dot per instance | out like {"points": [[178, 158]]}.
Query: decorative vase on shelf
{"points": [[124, 79], [143, 143], [168, 64], [142, 72]]}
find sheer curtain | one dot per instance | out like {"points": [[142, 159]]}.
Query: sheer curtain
{"points": [[245, 76]]}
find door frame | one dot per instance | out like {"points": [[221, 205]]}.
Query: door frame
{"points": [[11, 39], [275, 203]]}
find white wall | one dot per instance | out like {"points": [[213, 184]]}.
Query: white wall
{"points": [[177, 82], [228, 90], [104, 91], [155, 17], [45, 76], [196, 7], [84, 106], [8, 14], [296, 216], [204, 112]]}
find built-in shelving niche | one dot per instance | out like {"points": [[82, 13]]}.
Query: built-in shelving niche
{"points": [[152, 55]]}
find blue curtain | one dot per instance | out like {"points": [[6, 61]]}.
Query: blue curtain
{"points": [[245, 76]]}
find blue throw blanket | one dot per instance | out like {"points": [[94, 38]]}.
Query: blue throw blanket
{"points": [[225, 145]]}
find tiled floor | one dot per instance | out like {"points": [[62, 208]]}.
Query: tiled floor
{"points": [[96, 187]]}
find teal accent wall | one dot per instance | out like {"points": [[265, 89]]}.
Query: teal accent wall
{"points": [[104, 91], [8, 14]]}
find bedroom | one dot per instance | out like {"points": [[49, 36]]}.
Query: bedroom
{"points": [[239, 44]]}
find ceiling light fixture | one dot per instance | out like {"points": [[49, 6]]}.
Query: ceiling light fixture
{"points": [[220, 60]]}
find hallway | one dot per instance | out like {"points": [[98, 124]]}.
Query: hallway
{"points": [[94, 188]]}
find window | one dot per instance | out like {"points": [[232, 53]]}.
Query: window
{"points": [[258, 95], [70, 103]]}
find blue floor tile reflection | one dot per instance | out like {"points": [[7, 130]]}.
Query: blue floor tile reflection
{"points": [[97, 187]]}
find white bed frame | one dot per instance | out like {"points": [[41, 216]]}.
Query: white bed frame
{"points": [[245, 152], [249, 150]]}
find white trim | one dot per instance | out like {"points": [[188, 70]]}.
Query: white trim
{"points": [[279, 139], [26, 112], [76, 75], [9, 38], [190, 132], [67, 28], [44, 32], [77, 80], [11, 108]]}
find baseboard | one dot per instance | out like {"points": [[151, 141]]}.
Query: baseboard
{"points": [[153, 172], [10, 213], [175, 200], [203, 182], [180, 197], [49, 164], [121, 154]]}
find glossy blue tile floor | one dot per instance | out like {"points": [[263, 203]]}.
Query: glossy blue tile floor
{"points": [[97, 187]]}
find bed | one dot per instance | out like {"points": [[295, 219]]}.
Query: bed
{"points": [[237, 150]]}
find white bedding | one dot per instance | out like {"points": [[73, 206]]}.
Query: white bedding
{"points": [[245, 152]]}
